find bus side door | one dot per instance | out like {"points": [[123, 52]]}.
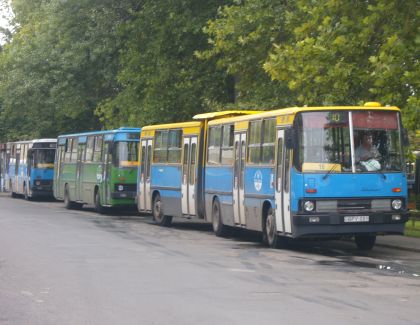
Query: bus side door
{"points": [[282, 195], [79, 171], [238, 180], [145, 200], [188, 186]]}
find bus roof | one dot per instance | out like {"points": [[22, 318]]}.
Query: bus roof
{"points": [[46, 140], [294, 110], [220, 114], [179, 125], [119, 130]]}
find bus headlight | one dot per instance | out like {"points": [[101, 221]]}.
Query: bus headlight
{"points": [[308, 206], [37, 183], [396, 204], [120, 188]]}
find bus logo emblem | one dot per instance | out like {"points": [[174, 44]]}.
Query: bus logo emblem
{"points": [[258, 180]]}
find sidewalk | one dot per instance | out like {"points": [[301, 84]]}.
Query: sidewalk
{"points": [[399, 242]]}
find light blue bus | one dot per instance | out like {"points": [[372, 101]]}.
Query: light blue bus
{"points": [[30, 168], [308, 172]]}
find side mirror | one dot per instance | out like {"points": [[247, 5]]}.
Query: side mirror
{"points": [[405, 140], [290, 138]]}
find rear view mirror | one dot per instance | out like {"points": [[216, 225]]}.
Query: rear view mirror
{"points": [[290, 138]]}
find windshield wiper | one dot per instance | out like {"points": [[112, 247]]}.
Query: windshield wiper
{"points": [[334, 165]]}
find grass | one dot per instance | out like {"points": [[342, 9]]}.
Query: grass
{"points": [[412, 227]]}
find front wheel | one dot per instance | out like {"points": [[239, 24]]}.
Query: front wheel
{"points": [[270, 236], [217, 221], [158, 214], [365, 243]]}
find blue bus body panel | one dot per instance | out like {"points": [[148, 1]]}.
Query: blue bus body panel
{"points": [[219, 179], [259, 181], [41, 174], [166, 176], [337, 185]]}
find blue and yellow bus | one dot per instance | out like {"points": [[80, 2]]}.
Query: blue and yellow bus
{"points": [[308, 172], [302, 172], [30, 168], [98, 168]]}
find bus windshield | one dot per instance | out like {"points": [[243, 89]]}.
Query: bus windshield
{"points": [[44, 158], [125, 154], [325, 142]]}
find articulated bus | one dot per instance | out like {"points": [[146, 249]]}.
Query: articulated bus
{"points": [[98, 168], [303, 172], [170, 174], [30, 167]]}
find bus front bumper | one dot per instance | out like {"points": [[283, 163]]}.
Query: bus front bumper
{"points": [[123, 195], [308, 225]]}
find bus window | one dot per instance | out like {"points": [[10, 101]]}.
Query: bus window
{"points": [[67, 156], [44, 158], [125, 153], [89, 148], [215, 139], [74, 149], [97, 152], [174, 146], [227, 145], [161, 147], [269, 141], [149, 160], [254, 146]]}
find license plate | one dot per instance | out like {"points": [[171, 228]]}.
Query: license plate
{"points": [[356, 219]]}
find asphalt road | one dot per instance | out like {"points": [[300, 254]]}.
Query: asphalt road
{"points": [[77, 267]]}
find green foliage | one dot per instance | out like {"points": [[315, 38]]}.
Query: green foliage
{"points": [[61, 63], [160, 78], [241, 38]]}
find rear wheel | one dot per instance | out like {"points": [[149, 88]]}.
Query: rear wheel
{"points": [[270, 236], [158, 214], [98, 207], [217, 221], [365, 243]]}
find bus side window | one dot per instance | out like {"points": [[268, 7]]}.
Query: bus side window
{"points": [[97, 153], [268, 141], [227, 145], [254, 143], [89, 148], [174, 146], [67, 155], [74, 149], [215, 139]]}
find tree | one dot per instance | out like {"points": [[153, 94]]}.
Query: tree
{"points": [[160, 78]]}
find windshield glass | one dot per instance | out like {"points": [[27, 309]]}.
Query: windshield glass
{"points": [[324, 141], [126, 154], [44, 158]]}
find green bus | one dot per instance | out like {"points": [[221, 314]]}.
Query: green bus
{"points": [[97, 168]]}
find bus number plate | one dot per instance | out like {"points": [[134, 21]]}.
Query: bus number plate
{"points": [[356, 219]]}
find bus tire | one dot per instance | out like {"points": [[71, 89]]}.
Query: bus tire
{"points": [[158, 215], [270, 236], [98, 207], [219, 228], [365, 243]]}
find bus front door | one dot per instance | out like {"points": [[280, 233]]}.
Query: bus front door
{"points": [[145, 198], [238, 180], [188, 187], [106, 176], [282, 196]]}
